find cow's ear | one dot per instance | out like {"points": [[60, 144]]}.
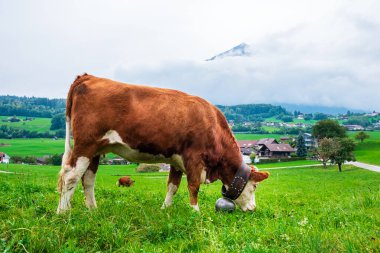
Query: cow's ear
{"points": [[258, 176]]}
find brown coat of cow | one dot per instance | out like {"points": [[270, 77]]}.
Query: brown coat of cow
{"points": [[125, 181], [145, 124]]}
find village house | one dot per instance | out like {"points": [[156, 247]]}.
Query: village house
{"points": [[275, 150], [118, 161], [4, 158], [354, 127], [247, 147], [266, 141], [310, 142]]}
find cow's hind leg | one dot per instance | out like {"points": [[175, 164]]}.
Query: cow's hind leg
{"points": [[88, 182], [71, 172], [174, 181]]}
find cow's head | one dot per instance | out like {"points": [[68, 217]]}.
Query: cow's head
{"points": [[246, 200]]}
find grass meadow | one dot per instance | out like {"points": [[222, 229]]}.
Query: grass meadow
{"points": [[369, 150], [299, 210], [32, 147], [40, 125]]}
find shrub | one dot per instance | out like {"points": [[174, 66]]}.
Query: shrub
{"points": [[143, 167]]}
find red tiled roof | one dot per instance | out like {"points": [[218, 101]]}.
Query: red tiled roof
{"points": [[266, 141], [245, 144], [279, 147]]}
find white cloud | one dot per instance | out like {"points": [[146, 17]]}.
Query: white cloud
{"points": [[331, 61], [312, 52]]}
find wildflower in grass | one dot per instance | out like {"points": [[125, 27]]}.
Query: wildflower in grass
{"points": [[303, 222], [285, 237]]}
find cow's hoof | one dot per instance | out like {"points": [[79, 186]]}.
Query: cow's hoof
{"points": [[61, 210], [195, 207], [165, 205]]}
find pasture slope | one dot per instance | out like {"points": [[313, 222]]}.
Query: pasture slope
{"points": [[369, 150], [32, 147], [299, 210], [39, 125]]}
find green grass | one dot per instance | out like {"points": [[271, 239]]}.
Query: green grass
{"points": [[299, 210], [369, 150], [32, 147], [256, 136], [287, 164], [40, 125]]}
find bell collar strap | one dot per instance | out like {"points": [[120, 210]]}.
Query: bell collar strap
{"points": [[238, 183]]}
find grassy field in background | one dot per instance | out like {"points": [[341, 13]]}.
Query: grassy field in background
{"points": [[239, 136], [369, 150], [32, 147], [299, 210], [40, 125], [287, 164]]}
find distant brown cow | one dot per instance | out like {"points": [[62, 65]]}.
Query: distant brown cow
{"points": [[151, 125], [125, 181]]}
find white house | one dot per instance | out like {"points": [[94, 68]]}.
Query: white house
{"points": [[4, 158]]}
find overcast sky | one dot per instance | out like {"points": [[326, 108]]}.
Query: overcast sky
{"points": [[306, 52]]}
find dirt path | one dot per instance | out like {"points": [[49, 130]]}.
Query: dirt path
{"points": [[365, 166], [8, 172], [356, 164]]}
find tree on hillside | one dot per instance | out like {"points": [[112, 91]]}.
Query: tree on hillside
{"points": [[344, 152], [327, 148], [301, 147], [361, 136], [320, 116], [55, 159], [308, 116], [328, 129], [58, 122]]}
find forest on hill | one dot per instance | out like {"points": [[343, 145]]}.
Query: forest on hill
{"points": [[253, 112], [48, 108], [31, 106]]}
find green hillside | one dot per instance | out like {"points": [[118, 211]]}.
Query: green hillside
{"points": [[369, 150], [31, 147], [36, 124]]}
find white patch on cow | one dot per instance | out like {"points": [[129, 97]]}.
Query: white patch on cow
{"points": [[113, 137], [172, 189], [134, 155], [88, 186], [71, 176], [203, 176], [67, 152], [196, 207], [246, 200]]}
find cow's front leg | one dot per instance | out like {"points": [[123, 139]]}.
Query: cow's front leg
{"points": [[174, 181], [88, 182]]}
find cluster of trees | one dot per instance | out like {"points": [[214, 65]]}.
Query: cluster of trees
{"points": [[360, 120], [252, 112], [58, 122], [31, 106], [52, 160], [333, 143], [254, 128], [291, 130], [7, 132]]}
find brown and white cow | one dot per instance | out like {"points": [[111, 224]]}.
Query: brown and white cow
{"points": [[151, 125]]}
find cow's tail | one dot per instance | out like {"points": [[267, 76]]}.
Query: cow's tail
{"points": [[67, 153]]}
